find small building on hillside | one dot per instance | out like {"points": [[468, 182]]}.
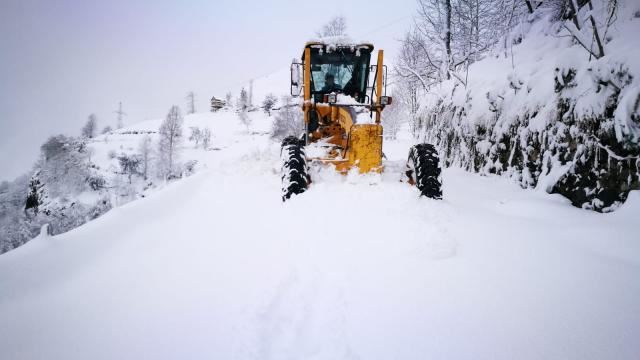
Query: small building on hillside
{"points": [[217, 104]]}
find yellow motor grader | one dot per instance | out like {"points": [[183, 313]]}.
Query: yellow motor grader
{"points": [[342, 113]]}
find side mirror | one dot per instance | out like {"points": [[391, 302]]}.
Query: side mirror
{"points": [[296, 78], [384, 80]]}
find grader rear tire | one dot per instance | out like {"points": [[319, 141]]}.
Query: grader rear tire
{"points": [[423, 170], [295, 178]]}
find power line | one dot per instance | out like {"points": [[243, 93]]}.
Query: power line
{"points": [[386, 25]]}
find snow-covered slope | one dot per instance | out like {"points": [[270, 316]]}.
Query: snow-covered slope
{"points": [[544, 112], [216, 266], [79, 179], [224, 126]]}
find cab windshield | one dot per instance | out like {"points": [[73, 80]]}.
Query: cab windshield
{"points": [[341, 70]]}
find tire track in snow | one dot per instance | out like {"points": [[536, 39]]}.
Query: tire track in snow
{"points": [[303, 312], [441, 244], [303, 319]]}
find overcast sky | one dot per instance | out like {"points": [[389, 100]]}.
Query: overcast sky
{"points": [[63, 60]]}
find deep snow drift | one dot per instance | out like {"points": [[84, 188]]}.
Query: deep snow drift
{"points": [[216, 266]]}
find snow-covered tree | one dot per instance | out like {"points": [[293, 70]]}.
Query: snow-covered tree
{"points": [[36, 193], [206, 138], [14, 227], [12, 195], [245, 119], [129, 165], [335, 27], [269, 102], [170, 139], [243, 100], [196, 135], [228, 99], [4, 186], [63, 165], [288, 120], [145, 153], [106, 129], [90, 128], [242, 107]]}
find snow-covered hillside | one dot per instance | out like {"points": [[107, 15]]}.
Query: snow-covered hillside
{"points": [[216, 266], [79, 179]]}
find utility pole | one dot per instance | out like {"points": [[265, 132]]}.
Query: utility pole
{"points": [[121, 115], [191, 97]]}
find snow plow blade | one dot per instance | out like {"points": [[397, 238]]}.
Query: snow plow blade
{"points": [[365, 147]]}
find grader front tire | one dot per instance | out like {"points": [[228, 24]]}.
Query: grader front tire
{"points": [[295, 178], [423, 170]]}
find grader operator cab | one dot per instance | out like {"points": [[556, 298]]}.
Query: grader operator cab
{"points": [[342, 112]]}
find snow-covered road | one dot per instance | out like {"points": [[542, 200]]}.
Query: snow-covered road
{"points": [[216, 266]]}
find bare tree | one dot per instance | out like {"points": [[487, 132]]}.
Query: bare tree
{"points": [[191, 102], [590, 37], [406, 103], [412, 66], [335, 27], [449, 35], [170, 138], [90, 128], [434, 28], [145, 154], [427, 54], [392, 118]]}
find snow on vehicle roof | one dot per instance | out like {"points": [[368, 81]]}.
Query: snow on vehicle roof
{"points": [[331, 43]]}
